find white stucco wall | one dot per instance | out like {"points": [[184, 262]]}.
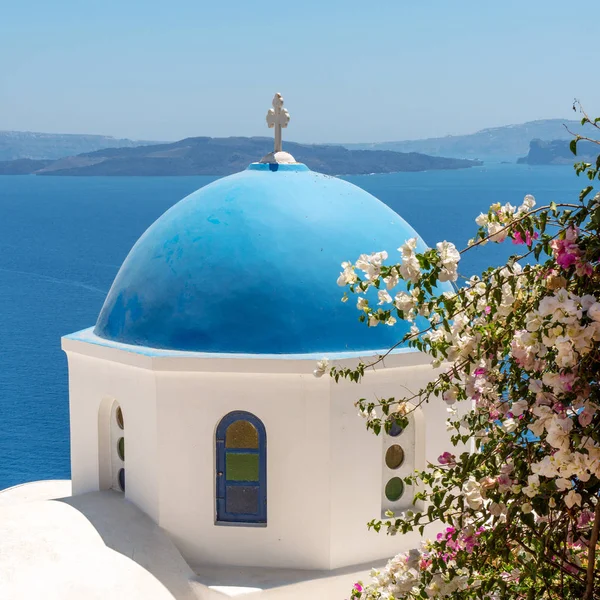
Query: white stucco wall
{"points": [[325, 472], [291, 408], [92, 381], [358, 476]]}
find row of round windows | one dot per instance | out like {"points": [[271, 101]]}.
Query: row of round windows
{"points": [[120, 448], [394, 459]]}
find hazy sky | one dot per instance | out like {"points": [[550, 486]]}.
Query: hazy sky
{"points": [[349, 70]]}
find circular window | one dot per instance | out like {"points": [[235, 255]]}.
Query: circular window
{"points": [[394, 457], [121, 448], [119, 417], [395, 429], [394, 489], [122, 479]]}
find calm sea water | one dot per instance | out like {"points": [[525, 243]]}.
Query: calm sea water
{"points": [[62, 240]]}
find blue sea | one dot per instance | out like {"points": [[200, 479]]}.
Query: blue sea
{"points": [[62, 240]]}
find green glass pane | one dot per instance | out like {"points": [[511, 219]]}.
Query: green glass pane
{"points": [[241, 434], [241, 467], [121, 448], [394, 489], [394, 456]]}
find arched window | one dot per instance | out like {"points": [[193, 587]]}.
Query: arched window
{"points": [[402, 454], [241, 469]]}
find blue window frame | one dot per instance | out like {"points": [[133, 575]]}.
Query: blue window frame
{"points": [[241, 469]]}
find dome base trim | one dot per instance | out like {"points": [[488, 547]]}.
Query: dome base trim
{"points": [[88, 336]]}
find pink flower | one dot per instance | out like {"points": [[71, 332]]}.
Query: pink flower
{"points": [[566, 251], [447, 459], [585, 418], [358, 587], [518, 238]]}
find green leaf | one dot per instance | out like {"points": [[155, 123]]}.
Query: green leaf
{"points": [[573, 145], [585, 192]]}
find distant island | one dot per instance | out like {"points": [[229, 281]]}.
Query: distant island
{"points": [[15, 145], [498, 143], [223, 156], [557, 152]]}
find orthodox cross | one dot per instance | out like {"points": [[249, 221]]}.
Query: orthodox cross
{"points": [[278, 117]]}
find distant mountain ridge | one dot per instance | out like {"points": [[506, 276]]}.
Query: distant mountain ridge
{"points": [[16, 145], [223, 156], [498, 143]]}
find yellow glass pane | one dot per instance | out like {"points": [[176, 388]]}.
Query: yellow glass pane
{"points": [[241, 434]]}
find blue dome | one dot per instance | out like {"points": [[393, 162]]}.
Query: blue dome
{"points": [[248, 264]]}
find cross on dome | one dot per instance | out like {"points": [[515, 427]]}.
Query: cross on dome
{"points": [[277, 118]]}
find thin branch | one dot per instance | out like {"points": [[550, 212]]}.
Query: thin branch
{"points": [[512, 223], [591, 567], [582, 137]]}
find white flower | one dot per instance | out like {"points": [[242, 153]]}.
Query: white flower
{"points": [[384, 297], [321, 369], [404, 301], [409, 247], [573, 498], [509, 425], [362, 303], [347, 276], [497, 232], [472, 492], [449, 258], [496, 509], [528, 204], [518, 408], [594, 312], [482, 220], [562, 483], [450, 395], [410, 269], [447, 252], [533, 486], [526, 508]]}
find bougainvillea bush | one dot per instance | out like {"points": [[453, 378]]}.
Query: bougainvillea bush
{"points": [[519, 347]]}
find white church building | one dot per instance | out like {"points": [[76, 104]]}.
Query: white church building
{"points": [[207, 460]]}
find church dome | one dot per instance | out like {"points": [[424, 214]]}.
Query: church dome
{"points": [[248, 265]]}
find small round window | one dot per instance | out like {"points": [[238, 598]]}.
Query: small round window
{"points": [[121, 448], [119, 417], [394, 457], [394, 489]]}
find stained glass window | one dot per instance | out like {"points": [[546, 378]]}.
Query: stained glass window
{"points": [[241, 434], [395, 429], [122, 479], [121, 448], [119, 417], [394, 489], [241, 469], [394, 457]]}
